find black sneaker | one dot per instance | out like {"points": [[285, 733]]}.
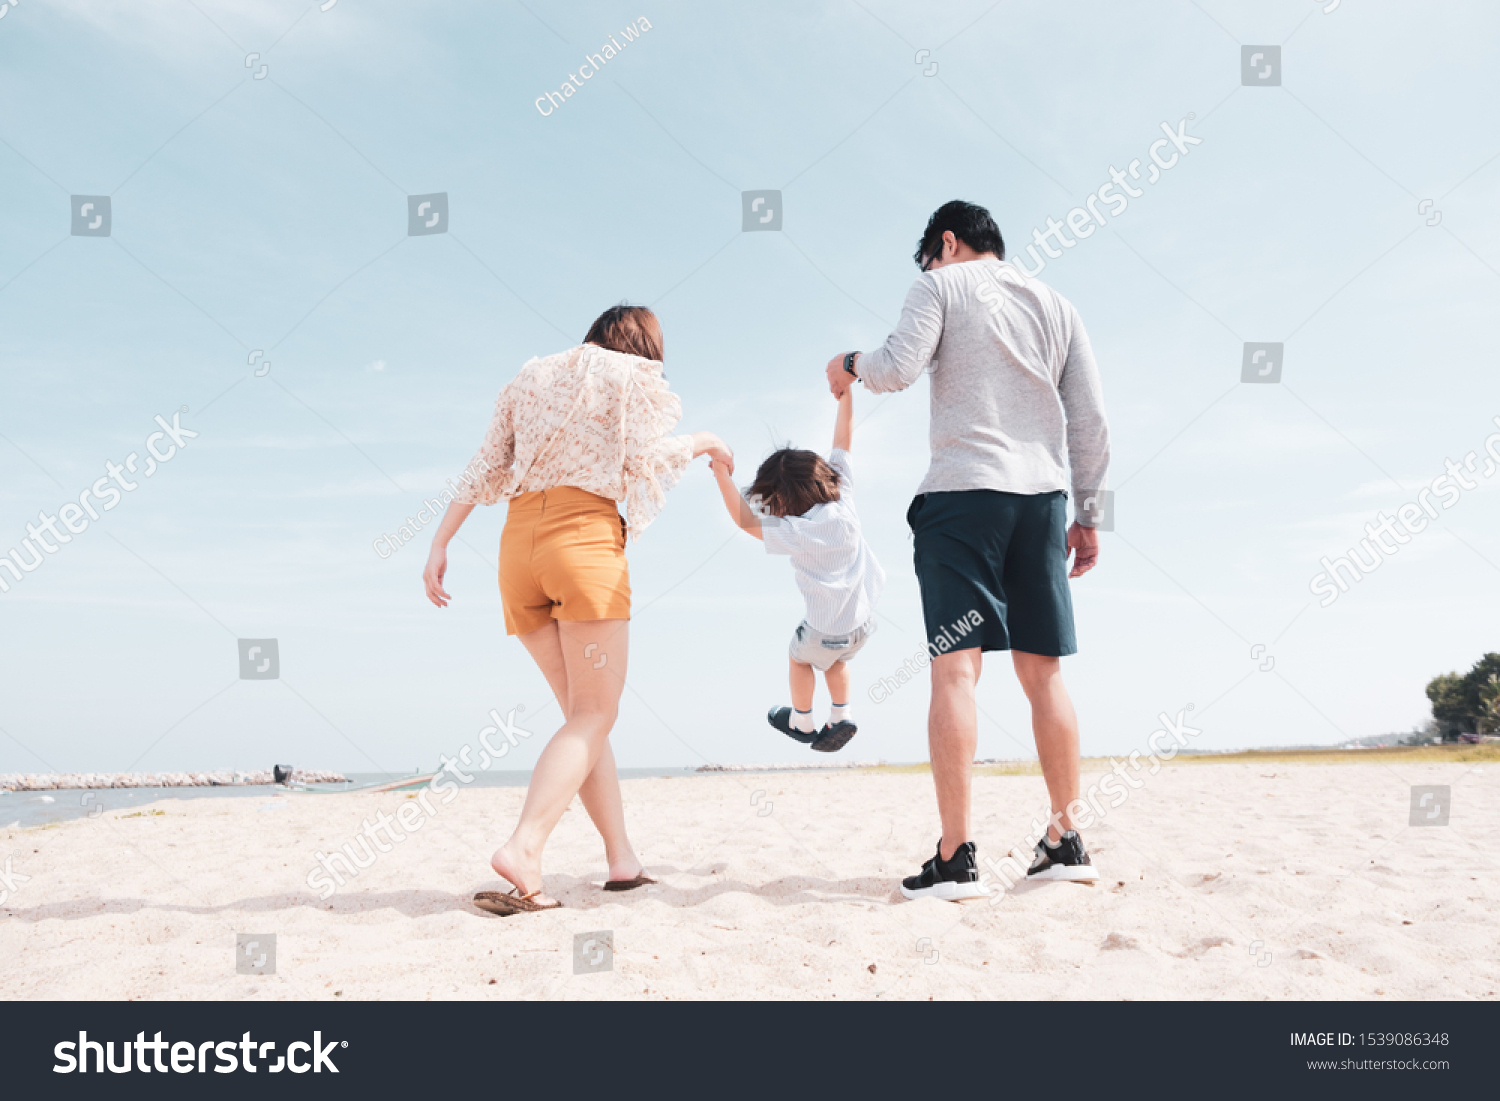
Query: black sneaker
{"points": [[1067, 860], [951, 880], [781, 719], [834, 736]]}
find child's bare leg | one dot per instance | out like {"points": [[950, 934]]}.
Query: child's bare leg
{"points": [[837, 679], [803, 683]]}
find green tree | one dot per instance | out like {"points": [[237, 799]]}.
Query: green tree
{"points": [[1446, 691], [1489, 710], [1476, 683], [1467, 703]]}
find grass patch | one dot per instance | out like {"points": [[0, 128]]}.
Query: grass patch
{"points": [[1409, 754], [897, 770], [1008, 768]]}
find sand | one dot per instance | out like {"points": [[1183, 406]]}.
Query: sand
{"points": [[1233, 881]]}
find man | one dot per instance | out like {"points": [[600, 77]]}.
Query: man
{"points": [[1016, 403]]}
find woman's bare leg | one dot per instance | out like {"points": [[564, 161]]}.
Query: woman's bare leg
{"points": [[593, 701], [600, 793], [601, 798]]}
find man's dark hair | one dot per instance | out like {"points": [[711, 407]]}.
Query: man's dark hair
{"points": [[969, 222], [790, 482]]}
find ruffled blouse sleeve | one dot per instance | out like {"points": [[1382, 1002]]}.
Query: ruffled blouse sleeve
{"points": [[654, 461], [487, 478]]}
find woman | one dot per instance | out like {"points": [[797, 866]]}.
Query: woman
{"points": [[573, 434]]}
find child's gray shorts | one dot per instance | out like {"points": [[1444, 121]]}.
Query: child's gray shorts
{"points": [[820, 651]]}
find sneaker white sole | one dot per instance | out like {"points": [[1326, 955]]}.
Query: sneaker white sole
{"points": [[948, 892], [1069, 873]]}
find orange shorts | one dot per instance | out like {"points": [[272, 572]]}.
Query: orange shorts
{"points": [[562, 556]]}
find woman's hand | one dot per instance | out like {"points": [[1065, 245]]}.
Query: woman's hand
{"points": [[706, 443], [437, 558], [723, 457], [432, 576]]}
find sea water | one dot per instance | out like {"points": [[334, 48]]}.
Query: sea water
{"points": [[39, 808]]}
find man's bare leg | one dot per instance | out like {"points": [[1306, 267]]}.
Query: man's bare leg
{"points": [[1054, 724], [952, 736]]}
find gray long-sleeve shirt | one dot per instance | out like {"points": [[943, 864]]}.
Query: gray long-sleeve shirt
{"points": [[1016, 397]]}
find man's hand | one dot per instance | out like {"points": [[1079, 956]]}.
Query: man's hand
{"points": [[839, 379], [1084, 543]]}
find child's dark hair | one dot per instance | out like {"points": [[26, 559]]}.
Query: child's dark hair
{"points": [[790, 482]]}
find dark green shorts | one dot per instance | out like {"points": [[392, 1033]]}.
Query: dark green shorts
{"points": [[993, 568]]}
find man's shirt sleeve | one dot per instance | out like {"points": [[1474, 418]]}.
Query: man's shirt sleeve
{"points": [[903, 357], [1088, 431]]}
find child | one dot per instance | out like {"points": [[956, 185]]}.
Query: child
{"points": [[808, 514]]}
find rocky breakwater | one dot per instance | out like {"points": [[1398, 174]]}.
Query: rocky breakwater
{"points": [[97, 781]]}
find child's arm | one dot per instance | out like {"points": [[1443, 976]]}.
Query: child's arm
{"points": [[739, 509], [843, 425]]}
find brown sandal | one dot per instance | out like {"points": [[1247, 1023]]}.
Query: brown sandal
{"points": [[507, 903], [641, 880]]}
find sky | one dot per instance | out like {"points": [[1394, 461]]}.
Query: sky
{"points": [[259, 283]]}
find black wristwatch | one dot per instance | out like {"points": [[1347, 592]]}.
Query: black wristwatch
{"points": [[849, 362]]}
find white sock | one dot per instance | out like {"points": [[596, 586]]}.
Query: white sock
{"points": [[840, 712], [802, 721]]}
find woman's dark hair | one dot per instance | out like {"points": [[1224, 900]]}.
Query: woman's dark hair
{"points": [[971, 224], [633, 330], [790, 482]]}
